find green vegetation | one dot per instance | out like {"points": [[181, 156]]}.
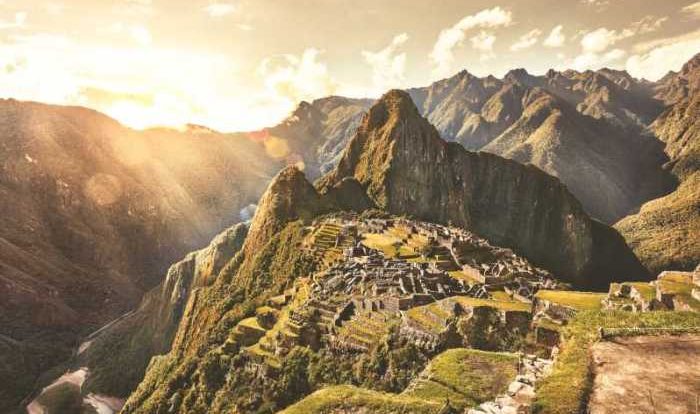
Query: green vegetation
{"points": [[383, 242], [433, 317], [396, 242], [573, 299], [664, 234], [467, 377], [683, 291], [346, 396], [647, 291], [566, 390]]}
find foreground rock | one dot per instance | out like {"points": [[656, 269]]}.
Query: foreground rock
{"points": [[643, 374]]}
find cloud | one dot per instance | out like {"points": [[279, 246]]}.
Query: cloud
{"points": [[597, 60], [556, 37], [599, 40], [55, 8], [388, 66], [20, 18], [442, 55], [647, 24], [600, 5], [220, 9], [654, 59], [135, 7], [602, 38], [527, 40], [141, 35], [693, 10], [596, 44], [483, 41], [137, 33], [295, 78]]}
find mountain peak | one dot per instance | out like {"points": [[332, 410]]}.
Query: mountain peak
{"points": [[403, 165], [290, 196], [397, 101], [517, 74]]}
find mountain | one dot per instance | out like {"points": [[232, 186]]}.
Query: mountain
{"points": [[664, 232], [317, 132], [577, 126], [399, 157], [395, 165], [93, 213], [118, 354]]}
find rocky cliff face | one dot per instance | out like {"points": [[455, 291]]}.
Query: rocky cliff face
{"points": [[117, 355], [407, 168], [92, 215]]}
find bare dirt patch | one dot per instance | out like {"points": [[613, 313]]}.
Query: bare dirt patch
{"points": [[647, 374]]}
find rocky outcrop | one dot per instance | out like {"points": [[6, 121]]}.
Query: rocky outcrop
{"points": [[406, 168]]}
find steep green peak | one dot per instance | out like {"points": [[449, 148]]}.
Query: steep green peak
{"points": [[290, 196]]}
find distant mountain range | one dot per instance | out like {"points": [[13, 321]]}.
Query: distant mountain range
{"points": [[93, 213], [616, 142]]}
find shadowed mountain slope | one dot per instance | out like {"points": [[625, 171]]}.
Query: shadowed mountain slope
{"points": [[93, 213], [665, 231]]}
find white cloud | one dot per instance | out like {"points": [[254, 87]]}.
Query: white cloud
{"points": [[55, 8], [135, 7], [602, 38], [596, 60], [647, 24], [600, 5], [527, 40], [141, 35], [294, 78], [693, 10], [20, 18], [220, 9], [388, 66], [599, 40], [596, 44], [483, 41], [556, 37], [137, 33], [442, 54], [654, 59]]}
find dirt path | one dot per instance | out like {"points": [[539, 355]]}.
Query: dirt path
{"points": [[649, 375]]}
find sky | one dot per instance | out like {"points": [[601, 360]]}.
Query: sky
{"points": [[241, 65]]}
